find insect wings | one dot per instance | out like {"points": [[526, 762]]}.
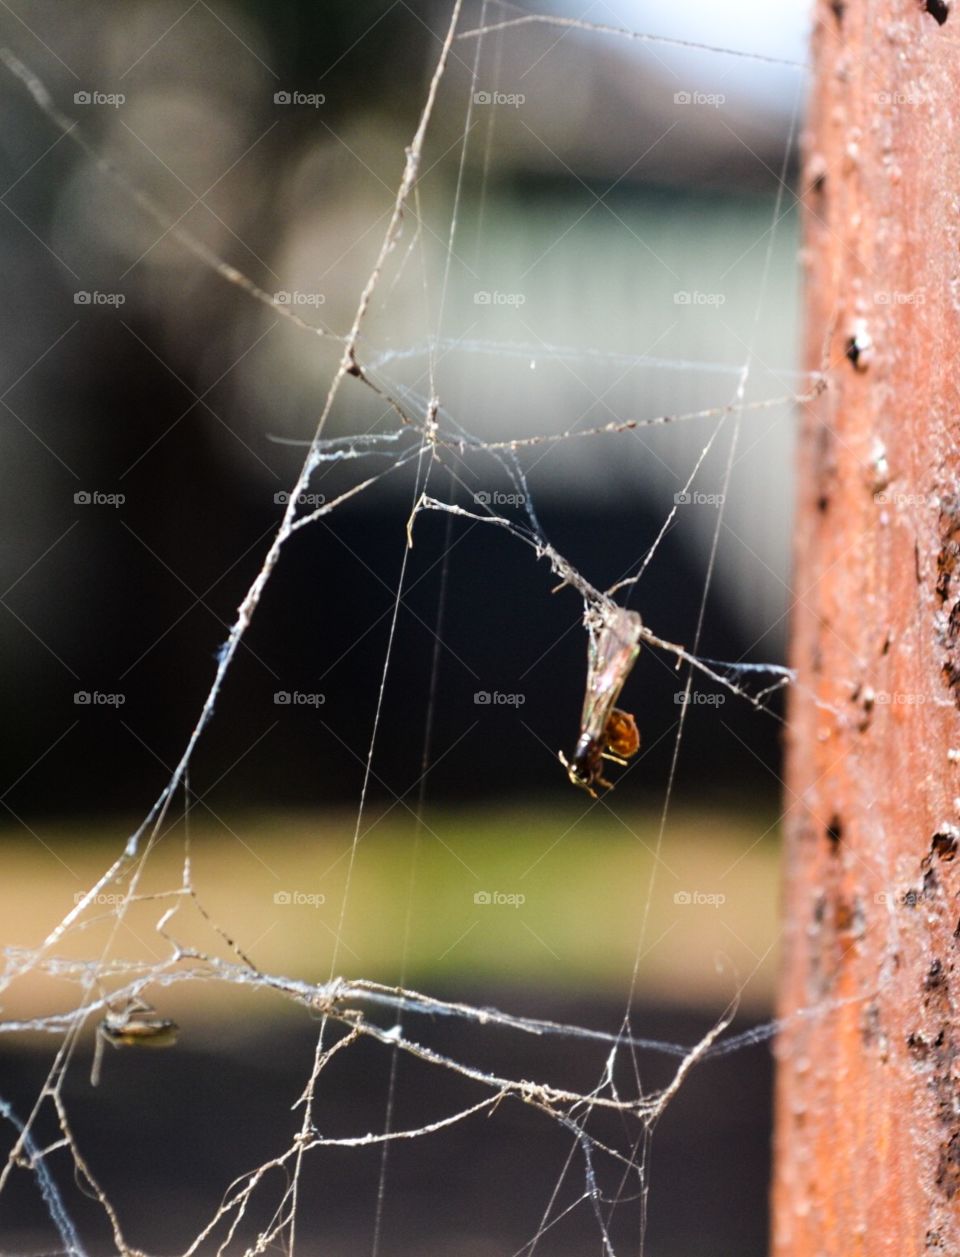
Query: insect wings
{"points": [[613, 648]]}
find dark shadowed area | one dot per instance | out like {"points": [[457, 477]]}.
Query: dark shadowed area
{"points": [[601, 240]]}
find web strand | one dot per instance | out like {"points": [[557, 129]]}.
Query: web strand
{"points": [[432, 436]]}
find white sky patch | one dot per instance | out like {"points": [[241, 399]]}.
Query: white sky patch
{"points": [[751, 26]]}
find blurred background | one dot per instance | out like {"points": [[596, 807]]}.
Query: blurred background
{"points": [[625, 239]]}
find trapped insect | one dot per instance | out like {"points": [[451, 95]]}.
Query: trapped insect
{"points": [[134, 1025], [606, 732]]}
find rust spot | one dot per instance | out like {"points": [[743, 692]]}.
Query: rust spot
{"points": [[859, 347], [941, 1055], [948, 1171], [951, 678], [944, 844], [936, 979], [871, 1033], [821, 975], [817, 184], [948, 568], [917, 1046], [947, 559], [825, 474], [953, 625], [870, 1025], [850, 918], [939, 10], [933, 1240], [868, 699]]}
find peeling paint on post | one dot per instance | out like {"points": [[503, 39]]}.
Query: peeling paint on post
{"points": [[867, 1143]]}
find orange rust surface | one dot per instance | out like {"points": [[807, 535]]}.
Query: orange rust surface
{"points": [[867, 1142]]}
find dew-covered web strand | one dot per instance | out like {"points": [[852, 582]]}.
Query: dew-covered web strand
{"points": [[71, 130], [642, 1140], [717, 530], [48, 1188], [251, 600], [593, 597], [546, 351], [65, 1053], [711, 565], [622, 32], [426, 763], [347, 366], [505, 453], [332, 995], [313, 996], [427, 746], [407, 185], [307, 1099]]}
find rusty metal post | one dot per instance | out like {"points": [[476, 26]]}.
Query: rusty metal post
{"points": [[867, 1142]]}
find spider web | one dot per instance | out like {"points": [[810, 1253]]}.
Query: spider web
{"points": [[607, 1125]]}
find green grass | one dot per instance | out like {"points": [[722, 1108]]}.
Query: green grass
{"points": [[595, 896]]}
